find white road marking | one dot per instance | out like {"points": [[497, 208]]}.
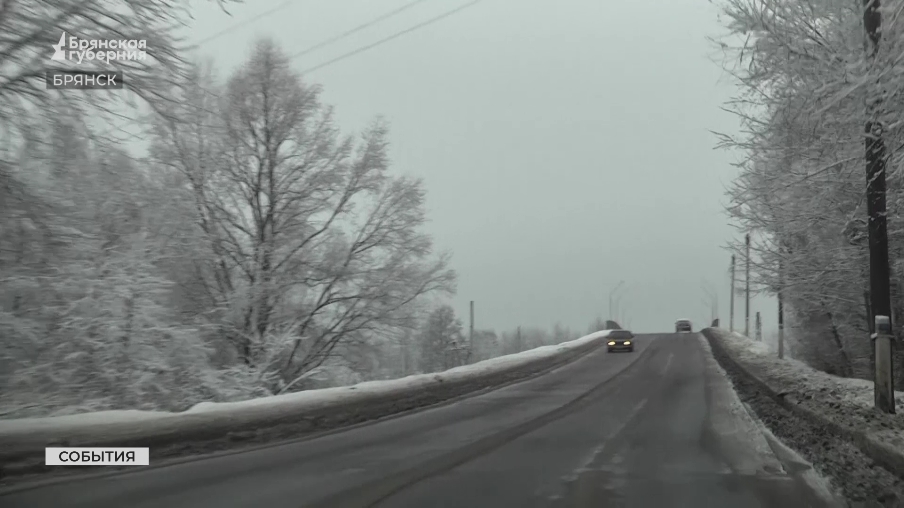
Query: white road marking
{"points": [[668, 363], [599, 449]]}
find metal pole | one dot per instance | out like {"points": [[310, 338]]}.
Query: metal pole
{"points": [[879, 276], [747, 289], [471, 330], [781, 310], [731, 305]]}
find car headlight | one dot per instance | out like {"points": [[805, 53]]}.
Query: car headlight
{"points": [[611, 342], [627, 342]]}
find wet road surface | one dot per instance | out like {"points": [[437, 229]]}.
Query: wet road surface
{"points": [[659, 427]]}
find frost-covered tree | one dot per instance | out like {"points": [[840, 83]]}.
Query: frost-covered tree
{"points": [[485, 345], [257, 250], [312, 242], [804, 87], [86, 320], [439, 337]]}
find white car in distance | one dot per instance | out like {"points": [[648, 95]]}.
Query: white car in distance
{"points": [[683, 325]]}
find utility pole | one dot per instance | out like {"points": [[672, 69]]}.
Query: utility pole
{"points": [[747, 290], [879, 284], [781, 310], [731, 304], [471, 329], [470, 352]]}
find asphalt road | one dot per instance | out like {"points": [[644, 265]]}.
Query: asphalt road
{"points": [[659, 427]]}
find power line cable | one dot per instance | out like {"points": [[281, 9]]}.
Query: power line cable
{"points": [[216, 36], [345, 34], [357, 29], [379, 42], [391, 37], [319, 44], [243, 23]]}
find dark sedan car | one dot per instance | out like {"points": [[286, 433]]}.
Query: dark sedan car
{"points": [[683, 325], [621, 340]]}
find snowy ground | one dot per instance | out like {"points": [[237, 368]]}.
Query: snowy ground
{"points": [[296, 412], [798, 377], [755, 428], [833, 422], [327, 396]]}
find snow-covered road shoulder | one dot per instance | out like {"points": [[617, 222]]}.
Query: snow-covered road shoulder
{"points": [[843, 405], [213, 426], [797, 379]]}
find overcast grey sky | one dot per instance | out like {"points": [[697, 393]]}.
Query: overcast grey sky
{"points": [[565, 145]]}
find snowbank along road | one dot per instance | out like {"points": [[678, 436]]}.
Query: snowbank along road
{"points": [[659, 427], [210, 427]]}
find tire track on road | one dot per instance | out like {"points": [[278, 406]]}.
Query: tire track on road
{"points": [[372, 494]]}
